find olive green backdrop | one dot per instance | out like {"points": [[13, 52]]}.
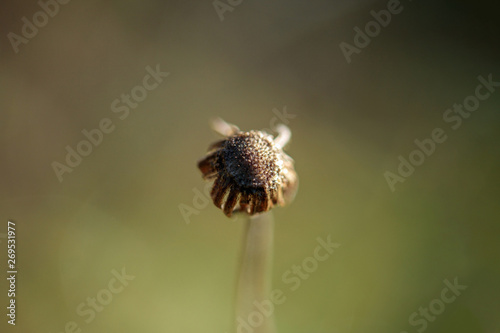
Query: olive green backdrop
{"points": [[120, 207]]}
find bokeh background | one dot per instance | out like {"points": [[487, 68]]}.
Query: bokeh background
{"points": [[120, 207]]}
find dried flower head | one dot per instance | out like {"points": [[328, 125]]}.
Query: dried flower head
{"points": [[250, 170]]}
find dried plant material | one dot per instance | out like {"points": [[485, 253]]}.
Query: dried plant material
{"points": [[251, 172]]}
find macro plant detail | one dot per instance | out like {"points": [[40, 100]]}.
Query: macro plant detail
{"points": [[251, 172], [251, 175]]}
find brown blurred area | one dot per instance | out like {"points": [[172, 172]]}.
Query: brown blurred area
{"points": [[119, 207]]}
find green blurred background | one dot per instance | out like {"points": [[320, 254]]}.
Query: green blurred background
{"points": [[120, 207]]}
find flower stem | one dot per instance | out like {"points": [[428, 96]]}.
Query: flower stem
{"points": [[255, 274]]}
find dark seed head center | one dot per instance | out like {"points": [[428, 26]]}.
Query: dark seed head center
{"points": [[252, 160]]}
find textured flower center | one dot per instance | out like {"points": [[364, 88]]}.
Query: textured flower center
{"points": [[252, 160]]}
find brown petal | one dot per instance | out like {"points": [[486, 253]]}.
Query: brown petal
{"points": [[231, 201], [207, 167], [219, 191]]}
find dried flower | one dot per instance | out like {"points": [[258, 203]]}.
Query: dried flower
{"points": [[250, 170]]}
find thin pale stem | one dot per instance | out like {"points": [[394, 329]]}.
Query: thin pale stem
{"points": [[255, 274]]}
